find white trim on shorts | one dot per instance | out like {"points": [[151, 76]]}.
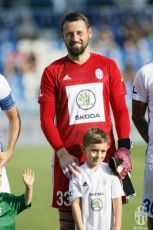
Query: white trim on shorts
{"points": [[52, 181]]}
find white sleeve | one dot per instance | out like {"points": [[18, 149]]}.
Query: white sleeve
{"points": [[74, 188], [117, 190], [4, 87], [140, 86]]}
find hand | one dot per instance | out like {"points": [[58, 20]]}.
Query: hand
{"points": [[4, 158], [75, 169], [67, 162], [125, 155], [82, 228], [28, 177]]}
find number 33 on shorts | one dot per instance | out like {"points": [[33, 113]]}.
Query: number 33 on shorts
{"points": [[63, 198]]}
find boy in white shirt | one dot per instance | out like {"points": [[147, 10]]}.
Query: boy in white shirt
{"points": [[96, 193]]}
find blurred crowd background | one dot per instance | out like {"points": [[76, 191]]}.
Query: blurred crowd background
{"points": [[30, 39]]}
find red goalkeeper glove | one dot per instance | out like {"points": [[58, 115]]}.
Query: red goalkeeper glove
{"points": [[117, 166], [125, 155]]}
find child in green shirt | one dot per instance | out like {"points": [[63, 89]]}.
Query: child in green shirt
{"points": [[11, 205]]}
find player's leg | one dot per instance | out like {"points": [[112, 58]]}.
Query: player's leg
{"points": [[66, 220], [150, 223], [148, 194]]}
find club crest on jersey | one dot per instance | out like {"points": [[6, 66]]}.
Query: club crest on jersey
{"points": [[96, 204], [99, 73], [86, 99]]}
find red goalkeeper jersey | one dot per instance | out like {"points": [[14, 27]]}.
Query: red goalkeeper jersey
{"points": [[81, 94]]}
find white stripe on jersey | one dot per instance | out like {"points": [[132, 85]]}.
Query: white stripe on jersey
{"points": [[4, 87]]}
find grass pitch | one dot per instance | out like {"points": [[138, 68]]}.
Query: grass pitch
{"points": [[41, 216]]}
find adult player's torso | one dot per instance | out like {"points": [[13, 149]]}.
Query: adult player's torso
{"points": [[143, 91], [82, 97]]}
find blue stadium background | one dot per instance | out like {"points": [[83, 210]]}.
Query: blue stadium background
{"points": [[30, 39]]}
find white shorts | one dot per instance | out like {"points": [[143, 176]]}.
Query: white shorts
{"points": [[148, 190], [5, 187]]}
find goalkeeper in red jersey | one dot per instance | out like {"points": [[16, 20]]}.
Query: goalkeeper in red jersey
{"points": [[76, 93]]}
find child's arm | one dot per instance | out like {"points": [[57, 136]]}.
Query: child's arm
{"points": [[28, 179], [77, 213], [117, 209]]}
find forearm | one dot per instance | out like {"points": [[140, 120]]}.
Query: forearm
{"points": [[138, 116], [121, 116], [117, 209], [13, 130], [142, 127], [51, 133], [77, 214], [28, 195], [47, 113]]}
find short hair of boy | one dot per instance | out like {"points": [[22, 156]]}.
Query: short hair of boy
{"points": [[94, 136]]}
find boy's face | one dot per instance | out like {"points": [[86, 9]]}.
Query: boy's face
{"points": [[95, 153]]}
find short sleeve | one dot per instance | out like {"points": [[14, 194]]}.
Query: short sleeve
{"points": [[117, 190], [19, 203], [117, 86], [4, 87], [47, 87], [140, 87], [6, 98], [74, 188]]}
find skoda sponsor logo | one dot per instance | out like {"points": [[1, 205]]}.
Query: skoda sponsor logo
{"points": [[96, 204], [96, 194], [99, 73], [86, 99], [86, 116]]}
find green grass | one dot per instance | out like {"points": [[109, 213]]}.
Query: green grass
{"points": [[41, 216], [138, 162]]}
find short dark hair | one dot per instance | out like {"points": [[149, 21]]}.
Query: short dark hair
{"points": [[74, 16], [94, 136]]}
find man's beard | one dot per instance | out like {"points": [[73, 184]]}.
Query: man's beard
{"points": [[75, 51]]}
